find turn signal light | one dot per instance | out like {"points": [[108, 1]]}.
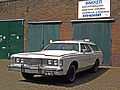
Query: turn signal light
{"points": [[51, 41]]}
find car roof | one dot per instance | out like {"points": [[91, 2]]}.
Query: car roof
{"points": [[75, 41]]}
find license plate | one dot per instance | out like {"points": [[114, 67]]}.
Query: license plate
{"points": [[31, 71], [34, 68]]}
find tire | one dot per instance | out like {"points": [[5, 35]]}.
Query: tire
{"points": [[94, 69], [70, 76], [27, 76]]}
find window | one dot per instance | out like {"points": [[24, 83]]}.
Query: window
{"points": [[85, 46], [76, 48], [63, 46], [88, 48], [95, 47]]}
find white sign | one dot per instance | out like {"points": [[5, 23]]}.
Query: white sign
{"points": [[94, 9]]}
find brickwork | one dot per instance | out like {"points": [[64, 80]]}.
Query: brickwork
{"points": [[42, 10], [107, 78], [64, 10], [115, 33]]}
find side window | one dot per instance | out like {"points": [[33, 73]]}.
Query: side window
{"points": [[87, 48], [95, 47], [76, 47]]}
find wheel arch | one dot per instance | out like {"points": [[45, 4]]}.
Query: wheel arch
{"points": [[97, 60], [75, 63], [71, 63]]}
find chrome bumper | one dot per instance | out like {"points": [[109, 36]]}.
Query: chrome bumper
{"points": [[36, 70]]}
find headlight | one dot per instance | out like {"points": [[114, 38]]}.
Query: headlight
{"points": [[50, 62], [19, 60], [53, 62], [22, 60]]}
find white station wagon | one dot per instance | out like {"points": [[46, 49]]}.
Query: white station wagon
{"points": [[59, 58]]}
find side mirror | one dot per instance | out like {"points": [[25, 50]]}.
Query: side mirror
{"points": [[84, 50]]}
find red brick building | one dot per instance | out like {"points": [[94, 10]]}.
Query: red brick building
{"points": [[62, 12]]}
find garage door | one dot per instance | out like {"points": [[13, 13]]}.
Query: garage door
{"points": [[40, 34], [100, 33], [11, 38]]}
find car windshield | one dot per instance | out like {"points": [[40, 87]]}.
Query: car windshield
{"points": [[63, 46]]}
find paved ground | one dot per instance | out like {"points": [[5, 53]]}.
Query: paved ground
{"points": [[107, 78]]}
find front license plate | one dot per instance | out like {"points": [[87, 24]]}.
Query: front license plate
{"points": [[34, 68], [31, 71]]}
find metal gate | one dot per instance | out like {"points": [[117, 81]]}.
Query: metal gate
{"points": [[100, 33], [40, 34], [11, 38]]}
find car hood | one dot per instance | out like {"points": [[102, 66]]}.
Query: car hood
{"points": [[55, 52], [45, 53]]}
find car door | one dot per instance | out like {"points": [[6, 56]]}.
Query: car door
{"points": [[91, 55], [86, 56], [97, 52]]}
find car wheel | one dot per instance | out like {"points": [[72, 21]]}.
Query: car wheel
{"points": [[70, 76], [27, 76], [95, 67]]}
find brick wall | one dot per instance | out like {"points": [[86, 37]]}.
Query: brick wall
{"points": [[115, 34], [64, 10], [42, 10]]}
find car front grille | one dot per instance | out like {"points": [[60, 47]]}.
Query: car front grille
{"points": [[31, 61]]}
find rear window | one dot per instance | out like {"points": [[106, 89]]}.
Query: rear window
{"points": [[95, 47]]}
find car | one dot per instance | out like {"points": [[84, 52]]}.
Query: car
{"points": [[59, 58]]}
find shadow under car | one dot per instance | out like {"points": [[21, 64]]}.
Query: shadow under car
{"points": [[81, 78]]}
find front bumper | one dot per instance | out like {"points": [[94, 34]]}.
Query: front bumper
{"points": [[51, 71]]}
